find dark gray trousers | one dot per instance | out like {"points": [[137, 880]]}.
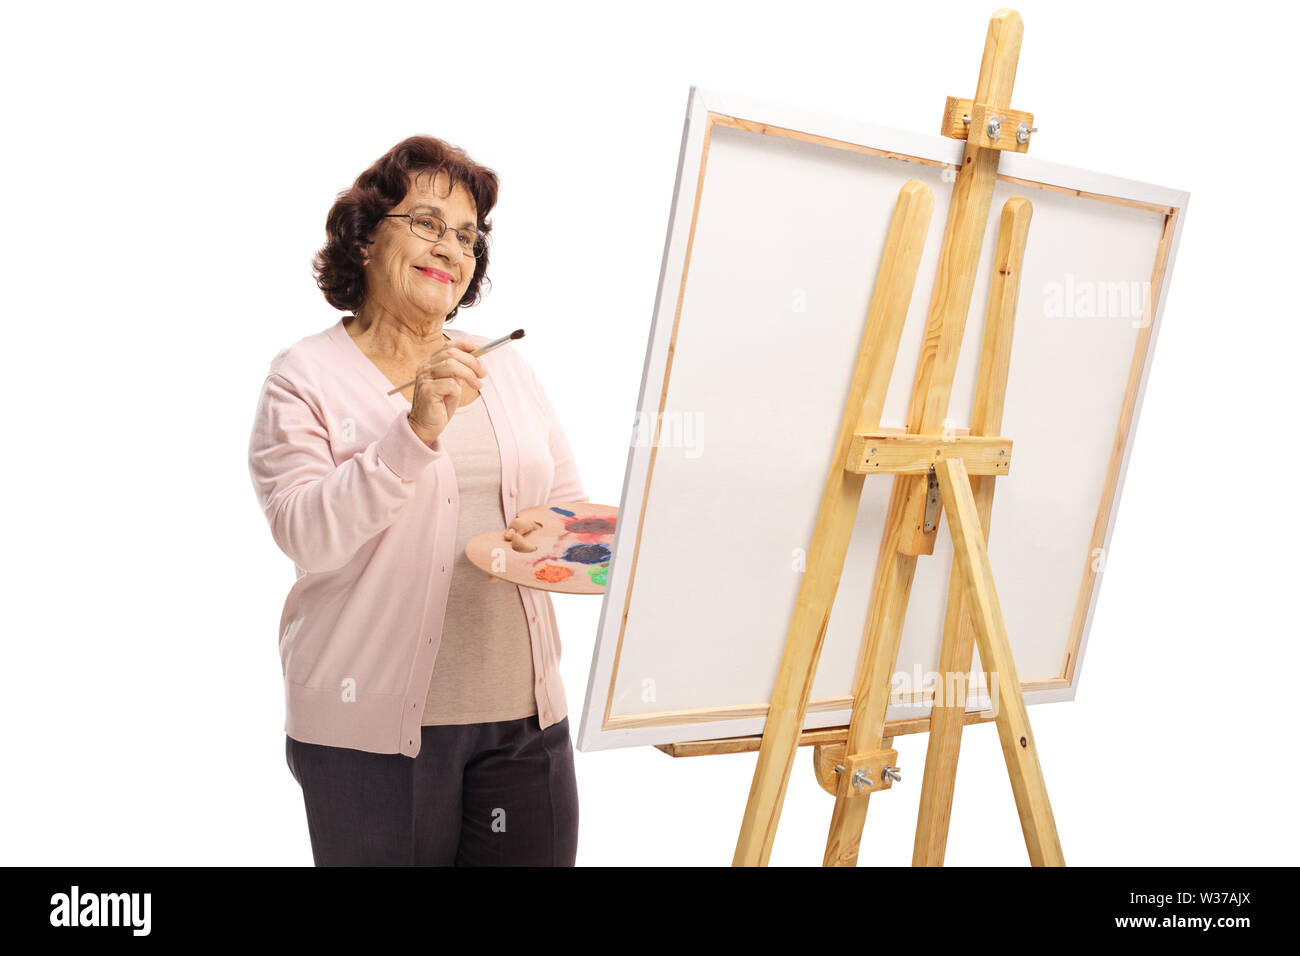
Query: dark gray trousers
{"points": [[493, 794]]}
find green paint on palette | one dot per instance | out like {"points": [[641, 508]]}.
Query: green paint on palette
{"points": [[598, 574]]}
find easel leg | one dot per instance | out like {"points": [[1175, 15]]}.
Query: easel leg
{"points": [[884, 630], [835, 519], [1018, 747], [946, 725]]}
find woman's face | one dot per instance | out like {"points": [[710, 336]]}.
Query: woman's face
{"points": [[411, 277]]}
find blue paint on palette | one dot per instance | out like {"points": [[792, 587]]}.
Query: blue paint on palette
{"points": [[587, 554], [561, 511]]}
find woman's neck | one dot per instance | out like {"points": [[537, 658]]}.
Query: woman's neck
{"points": [[381, 333]]}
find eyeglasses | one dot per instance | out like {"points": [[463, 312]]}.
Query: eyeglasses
{"points": [[428, 226]]}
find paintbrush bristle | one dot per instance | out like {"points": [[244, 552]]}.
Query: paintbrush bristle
{"points": [[517, 334]]}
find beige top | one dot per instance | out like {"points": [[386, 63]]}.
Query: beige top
{"points": [[484, 668]]}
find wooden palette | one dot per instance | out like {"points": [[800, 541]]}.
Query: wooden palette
{"points": [[567, 549]]}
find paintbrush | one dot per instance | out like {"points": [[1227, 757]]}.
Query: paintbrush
{"points": [[481, 350]]}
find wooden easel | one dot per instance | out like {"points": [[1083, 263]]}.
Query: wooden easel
{"points": [[933, 471]]}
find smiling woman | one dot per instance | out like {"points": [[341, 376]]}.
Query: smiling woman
{"points": [[425, 718], [380, 191]]}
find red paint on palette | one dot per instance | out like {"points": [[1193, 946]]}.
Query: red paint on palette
{"points": [[552, 573]]}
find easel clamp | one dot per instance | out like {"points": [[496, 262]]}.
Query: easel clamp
{"points": [[856, 775], [866, 773], [993, 127]]}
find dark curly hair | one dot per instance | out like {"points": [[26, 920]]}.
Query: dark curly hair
{"points": [[358, 211]]}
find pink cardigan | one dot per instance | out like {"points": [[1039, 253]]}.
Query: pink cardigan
{"points": [[368, 514]]}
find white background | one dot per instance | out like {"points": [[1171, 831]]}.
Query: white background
{"points": [[166, 173]]}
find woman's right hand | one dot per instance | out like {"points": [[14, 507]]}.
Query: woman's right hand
{"points": [[438, 383]]}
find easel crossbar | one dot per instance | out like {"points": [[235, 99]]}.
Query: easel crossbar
{"points": [[918, 454]]}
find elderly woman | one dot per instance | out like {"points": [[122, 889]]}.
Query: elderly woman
{"points": [[425, 718]]}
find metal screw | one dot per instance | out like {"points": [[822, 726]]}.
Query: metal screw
{"points": [[994, 128], [861, 781], [1022, 133], [892, 773]]}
